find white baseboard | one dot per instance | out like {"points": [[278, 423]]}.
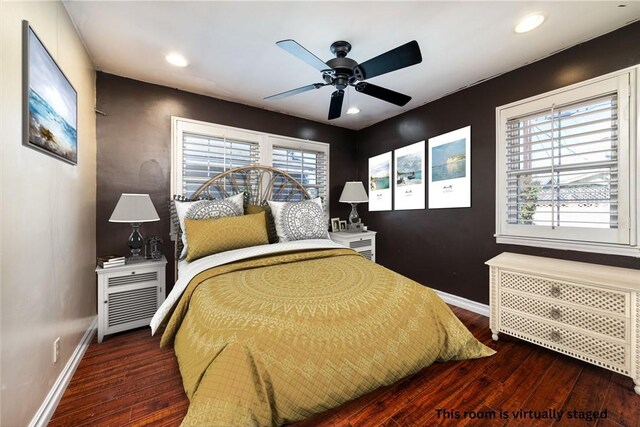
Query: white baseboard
{"points": [[467, 304], [48, 407]]}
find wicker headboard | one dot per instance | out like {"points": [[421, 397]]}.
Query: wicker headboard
{"points": [[258, 183]]}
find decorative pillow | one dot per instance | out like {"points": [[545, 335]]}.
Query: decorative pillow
{"points": [[206, 209], [211, 236], [271, 225], [299, 220]]}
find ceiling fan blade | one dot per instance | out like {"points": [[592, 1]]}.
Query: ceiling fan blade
{"points": [[335, 108], [294, 48], [400, 57], [388, 95], [294, 91]]}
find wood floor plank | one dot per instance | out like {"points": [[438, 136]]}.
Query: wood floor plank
{"points": [[550, 394], [588, 395], [622, 403], [129, 381]]}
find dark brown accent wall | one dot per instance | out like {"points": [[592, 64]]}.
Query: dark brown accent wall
{"points": [[446, 248], [134, 149]]}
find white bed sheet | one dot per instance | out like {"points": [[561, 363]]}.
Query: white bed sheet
{"points": [[188, 270]]}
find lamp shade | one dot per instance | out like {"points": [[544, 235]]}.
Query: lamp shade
{"points": [[354, 192], [134, 208]]}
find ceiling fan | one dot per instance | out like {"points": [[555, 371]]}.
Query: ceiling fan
{"points": [[341, 72]]}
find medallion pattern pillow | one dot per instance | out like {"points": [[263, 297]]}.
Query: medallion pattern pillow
{"points": [[299, 220], [207, 209]]}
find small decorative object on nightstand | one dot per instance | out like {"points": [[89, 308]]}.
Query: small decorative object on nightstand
{"points": [[354, 193], [134, 209], [363, 242], [129, 295]]}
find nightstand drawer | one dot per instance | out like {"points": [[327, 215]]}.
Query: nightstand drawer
{"points": [[611, 355], [610, 326], [362, 242], [598, 299]]}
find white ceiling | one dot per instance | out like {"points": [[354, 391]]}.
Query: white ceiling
{"points": [[233, 56]]}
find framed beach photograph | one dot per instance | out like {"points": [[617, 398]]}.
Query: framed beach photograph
{"points": [[335, 225], [380, 182], [408, 182], [450, 170], [50, 103]]}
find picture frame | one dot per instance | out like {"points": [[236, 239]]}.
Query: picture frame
{"points": [[450, 169], [380, 182], [49, 102], [335, 225], [408, 180], [343, 225]]}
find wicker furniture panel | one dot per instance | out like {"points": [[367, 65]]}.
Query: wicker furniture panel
{"points": [[588, 311], [611, 355], [601, 299], [615, 327]]}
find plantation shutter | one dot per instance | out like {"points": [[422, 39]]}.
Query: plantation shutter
{"points": [[562, 165], [307, 165], [205, 156]]}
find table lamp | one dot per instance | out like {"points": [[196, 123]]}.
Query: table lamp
{"points": [[354, 193], [134, 209]]}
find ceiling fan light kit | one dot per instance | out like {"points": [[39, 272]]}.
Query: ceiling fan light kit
{"points": [[342, 72]]}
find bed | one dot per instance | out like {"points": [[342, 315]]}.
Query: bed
{"points": [[273, 333]]}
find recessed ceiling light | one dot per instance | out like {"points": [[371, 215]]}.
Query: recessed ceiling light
{"points": [[177, 60], [529, 22], [353, 110]]}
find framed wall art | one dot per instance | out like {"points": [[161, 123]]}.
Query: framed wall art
{"points": [[50, 103], [380, 182], [450, 170], [408, 181]]}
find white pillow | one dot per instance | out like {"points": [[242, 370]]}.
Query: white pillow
{"points": [[299, 220], [206, 209]]}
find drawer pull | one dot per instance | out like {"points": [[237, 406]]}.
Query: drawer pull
{"points": [[555, 336], [555, 291], [556, 313]]}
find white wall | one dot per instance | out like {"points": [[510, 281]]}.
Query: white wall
{"points": [[47, 220]]}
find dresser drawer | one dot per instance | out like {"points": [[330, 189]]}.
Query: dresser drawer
{"points": [[611, 355], [610, 326], [599, 299]]}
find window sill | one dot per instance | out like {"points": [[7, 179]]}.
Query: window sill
{"points": [[632, 251]]}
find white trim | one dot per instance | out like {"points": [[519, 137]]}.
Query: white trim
{"points": [[467, 304], [632, 251], [48, 407]]}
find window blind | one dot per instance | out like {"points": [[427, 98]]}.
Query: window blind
{"points": [[308, 166], [562, 165], [204, 157]]}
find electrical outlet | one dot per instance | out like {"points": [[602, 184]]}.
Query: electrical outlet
{"points": [[56, 350]]}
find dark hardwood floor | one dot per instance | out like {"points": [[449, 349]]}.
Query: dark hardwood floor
{"points": [[129, 380]]}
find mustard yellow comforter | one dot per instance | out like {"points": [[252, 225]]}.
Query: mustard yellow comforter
{"points": [[276, 339]]}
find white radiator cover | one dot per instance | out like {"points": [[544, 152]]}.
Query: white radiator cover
{"points": [[587, 311]]}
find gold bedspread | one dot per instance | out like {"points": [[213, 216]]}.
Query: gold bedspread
{"points": [[277, 339]]}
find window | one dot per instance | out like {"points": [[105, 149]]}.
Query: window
{"points": [[203, 150], [566, 168], [306, 162]]}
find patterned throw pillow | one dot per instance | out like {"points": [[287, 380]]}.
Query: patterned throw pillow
{"points": [[207, 209], [299, 220], [271, 225], [211, 236]]}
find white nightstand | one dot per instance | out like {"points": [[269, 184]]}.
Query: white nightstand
{"points": [[129, 295], [363, 242]]}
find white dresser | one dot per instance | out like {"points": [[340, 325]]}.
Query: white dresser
{"points": [[588, 311], [363, 242]]}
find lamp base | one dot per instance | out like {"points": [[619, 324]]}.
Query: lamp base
{"points": [[136, 241]]}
